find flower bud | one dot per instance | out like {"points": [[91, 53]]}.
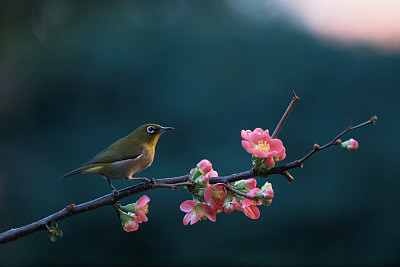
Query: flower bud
{"points": [[266, 194], [229, 208], [250, 183], [350, 144], [204, 166]]}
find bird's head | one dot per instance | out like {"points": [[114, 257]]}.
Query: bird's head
{"points": [[149, 133]]}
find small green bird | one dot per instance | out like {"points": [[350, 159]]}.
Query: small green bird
{"points": [[125, 157]]}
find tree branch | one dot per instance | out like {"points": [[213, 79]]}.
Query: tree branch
{"points": [[173, 182], [285, 115]]}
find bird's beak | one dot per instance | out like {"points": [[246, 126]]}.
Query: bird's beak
{"points": [[166, 129]]}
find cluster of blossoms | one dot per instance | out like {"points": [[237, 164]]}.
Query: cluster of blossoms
{"points": [[209, 200], [133, 214], [265, 150]]}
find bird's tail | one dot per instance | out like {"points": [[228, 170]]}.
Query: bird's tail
{"points": [[71, 173]]}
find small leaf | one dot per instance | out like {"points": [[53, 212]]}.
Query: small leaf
{"points": [[52, 238], [59, 233], [129, 208], [54, 225]]}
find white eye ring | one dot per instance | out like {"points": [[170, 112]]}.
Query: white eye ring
{"points": [[150, 129]]}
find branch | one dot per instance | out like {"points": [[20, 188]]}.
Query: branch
{"points": [[285, 115], [173, 182], [335, 141]]}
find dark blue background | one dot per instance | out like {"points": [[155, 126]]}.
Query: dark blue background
{"points": [[75, 77]]}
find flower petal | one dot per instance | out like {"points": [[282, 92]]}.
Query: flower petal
{"points": [[194, 219], [142, 201], [252, 212], [208, 194], [187, 218], [142, 216], [247, 146], [258, 153], [188, 205], [211, 216], [245, 134], [246, 202]]}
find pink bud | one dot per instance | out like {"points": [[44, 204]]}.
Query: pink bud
{"points": [[130, 226], [229, 208], [268, 194], [350, 144], [251, 183], [205, 166], [353, 144]]}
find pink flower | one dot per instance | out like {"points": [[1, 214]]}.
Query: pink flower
{"points": [[204, 166], [216, 194], [350, 144], [197, 211], [142, 208], [260, 144], [249, 206]]}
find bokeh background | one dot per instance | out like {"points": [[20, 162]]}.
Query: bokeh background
{"points": [[77, 75]]}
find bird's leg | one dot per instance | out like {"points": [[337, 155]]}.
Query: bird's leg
{"points": [[112, 187]]}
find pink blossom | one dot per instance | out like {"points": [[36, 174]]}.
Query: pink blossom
{"points": [[216, 194], [249, 206], [142, 208], [197, 211], [204, 166], [260, 144]]}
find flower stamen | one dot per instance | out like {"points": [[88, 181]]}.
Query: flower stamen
{"points": [[263, 146]]}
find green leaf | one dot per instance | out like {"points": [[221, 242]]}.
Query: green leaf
{"points": [[129, 208], [54, 225], [52, 238], [60, 233]]}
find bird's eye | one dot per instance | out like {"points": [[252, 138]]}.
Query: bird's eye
{"points": [[150, 129]]}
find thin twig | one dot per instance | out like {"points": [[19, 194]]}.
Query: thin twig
{"points": [[285, 115], [299, 163]]}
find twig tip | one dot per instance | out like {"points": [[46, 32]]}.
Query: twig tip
{"points": [[373, 119], [295, 97]]}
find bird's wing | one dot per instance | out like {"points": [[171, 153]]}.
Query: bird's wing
{"points": [[110, 155]]}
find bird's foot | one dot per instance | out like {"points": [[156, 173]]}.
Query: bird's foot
{"points": [[114, 191]]}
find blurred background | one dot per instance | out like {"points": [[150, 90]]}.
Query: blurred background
{"points": [[77, 75]]}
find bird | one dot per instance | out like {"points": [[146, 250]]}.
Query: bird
{"points": [[126, 157]]}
